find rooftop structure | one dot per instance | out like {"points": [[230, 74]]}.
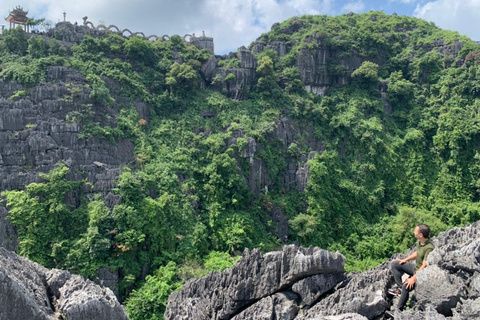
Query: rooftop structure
{"points": [[18, 17]]}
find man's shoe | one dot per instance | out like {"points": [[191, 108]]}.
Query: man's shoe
{"points": [[391, 313], [394, 292]]}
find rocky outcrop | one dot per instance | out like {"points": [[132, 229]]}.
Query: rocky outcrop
{"points": [[362, 293], [285, 134], [255, 277], [36, 133], [454, 266], [236, 83], [30, 291], [309, 284]]}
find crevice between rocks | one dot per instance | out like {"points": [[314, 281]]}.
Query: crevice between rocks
{"points": [[288, 287]]}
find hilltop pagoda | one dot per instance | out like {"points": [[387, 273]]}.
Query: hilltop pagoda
{"points": [[18, 17]]}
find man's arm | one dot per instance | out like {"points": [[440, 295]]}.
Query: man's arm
{"points": [[409, 258], [411, 281]]}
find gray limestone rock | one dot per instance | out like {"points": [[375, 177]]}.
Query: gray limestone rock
{"points": [[258, 46], [345, 316], [467, 309], [8, 235], [311, 288], [278, 306], [78, 298], [255, 276], [362, 293], [280, 220], [280, 47], [247, 59], [208, 68], [36, 133], [429, 314], [23, 294], [30, 291], [439, 288], [449, 288]]}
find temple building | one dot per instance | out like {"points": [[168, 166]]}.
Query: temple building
{"points": [[18, 17]]}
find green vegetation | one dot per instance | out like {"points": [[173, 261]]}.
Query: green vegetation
{"points": [[392, 159]]}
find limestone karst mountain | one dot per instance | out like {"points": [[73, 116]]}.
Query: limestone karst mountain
{"points": [[140, 164]]}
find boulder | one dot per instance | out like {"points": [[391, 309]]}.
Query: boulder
{"points": [[361, 293], [311, 288], [255, 276], [345, 316], [467, 309], [278, 306], [429, 314], [439, 288], [30, 291]]}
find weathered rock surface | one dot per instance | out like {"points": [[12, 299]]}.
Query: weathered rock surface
{"points": [[255, 276], [309, 284], [362, 293], [451, 280], [278, 306], [284, 135], [35, 135], [236, 83], [30, 291]]}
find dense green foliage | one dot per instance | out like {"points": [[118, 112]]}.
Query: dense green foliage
{"points": [[392, 160]]}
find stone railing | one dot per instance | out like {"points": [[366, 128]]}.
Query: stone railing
{"points": [[202, 42]]}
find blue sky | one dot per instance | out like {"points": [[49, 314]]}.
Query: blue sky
{"points": [[234, 23]]}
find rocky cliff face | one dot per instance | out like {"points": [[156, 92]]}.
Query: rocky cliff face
{"points": [[30, 291], [309, 284], [35, 134], [236, 83]]}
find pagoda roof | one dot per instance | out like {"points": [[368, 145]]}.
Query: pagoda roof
{"points": [[17, 15]]}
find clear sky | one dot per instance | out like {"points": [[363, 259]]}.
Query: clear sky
{"points": [[234, 23]]}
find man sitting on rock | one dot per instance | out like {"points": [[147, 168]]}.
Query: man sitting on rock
{"points": [[400, 267]]}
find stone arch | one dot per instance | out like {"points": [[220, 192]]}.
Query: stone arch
{"points": [[126, 30], [139, 33], [112, 26], [165, 37], [152, 37], [189, 37]]}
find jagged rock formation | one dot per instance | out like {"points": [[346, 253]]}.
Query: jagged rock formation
{"points": [[35, 135], [285, 133], [254, 277], [30, 291], [308, 284], [294, 176], [236, 83]]}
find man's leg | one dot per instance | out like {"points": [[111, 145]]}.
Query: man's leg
{"points": [[399, 269], [409, 269], [403, 297]]}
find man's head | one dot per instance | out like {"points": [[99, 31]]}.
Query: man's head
{"points": [[422, 231]]}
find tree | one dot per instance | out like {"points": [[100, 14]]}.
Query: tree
{"points": [[37, 47], [45, 222], [15, 40], [150, 301], [181, 76], [367, 73], [140, 50]]}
